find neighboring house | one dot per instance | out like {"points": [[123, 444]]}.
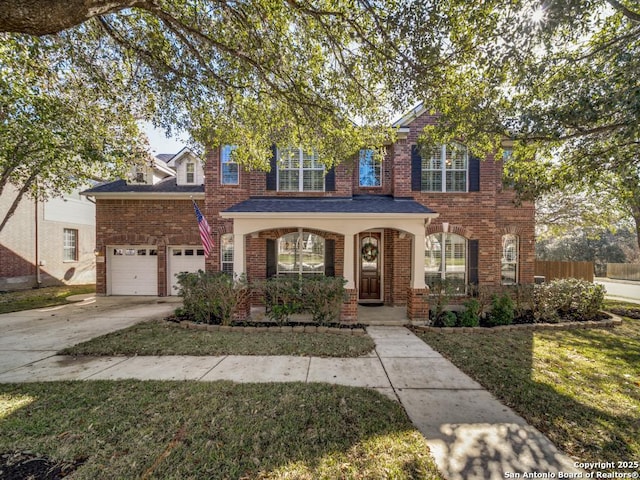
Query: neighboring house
{"points": [[47, 243], [390, 228]]}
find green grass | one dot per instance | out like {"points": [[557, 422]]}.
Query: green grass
{"points": [[40, 297], [580, 387], [190, 430], [167, 338]]}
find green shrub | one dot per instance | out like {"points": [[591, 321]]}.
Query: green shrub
{"points": [[281, 296], [323, 297], [471, 315], [439, 296], [447, 318], [211, 297], [567, 299], [502, 312], [320, 296]]}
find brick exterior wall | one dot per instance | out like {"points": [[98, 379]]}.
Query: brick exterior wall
{"points": [[144, 222], [484, 216]]}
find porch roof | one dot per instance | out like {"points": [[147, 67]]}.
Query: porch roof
{"points": [[358, 204]]}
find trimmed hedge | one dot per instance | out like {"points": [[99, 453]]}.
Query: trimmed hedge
{"points": [[320, 296]]}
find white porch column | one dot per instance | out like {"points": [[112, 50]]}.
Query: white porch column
{"points": [[349, 274], [417, 272], [239, 266]]}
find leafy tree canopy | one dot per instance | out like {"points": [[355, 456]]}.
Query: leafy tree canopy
{"points": [[59, 126]]}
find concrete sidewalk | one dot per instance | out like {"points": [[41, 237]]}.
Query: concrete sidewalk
{"points": [[470, 433]]}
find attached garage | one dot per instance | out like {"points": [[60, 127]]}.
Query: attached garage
{"points": [[183, 259], [132, 270]]}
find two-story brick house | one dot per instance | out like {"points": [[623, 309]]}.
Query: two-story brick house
{"points": [[390, 228]]}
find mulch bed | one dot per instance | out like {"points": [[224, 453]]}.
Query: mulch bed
{"points": [[29, 466], [626, 312]]}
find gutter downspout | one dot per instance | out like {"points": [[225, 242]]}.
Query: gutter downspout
{"points": [[37, 255]]}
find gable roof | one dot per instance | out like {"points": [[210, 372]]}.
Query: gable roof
{"points": [[178, 156], [410, 116], [167, 187], [165, 157]]}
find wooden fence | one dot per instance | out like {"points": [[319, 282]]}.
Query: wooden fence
{"points": [[623, 271], [552, 270]]}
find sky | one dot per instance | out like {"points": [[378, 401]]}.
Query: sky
{"points": [[159, 142]]}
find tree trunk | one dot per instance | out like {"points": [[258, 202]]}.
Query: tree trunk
{"points": [[636, 219], [16, 201], [42, 17]]}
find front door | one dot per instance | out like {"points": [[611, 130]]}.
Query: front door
{"points": [[370, 263]]}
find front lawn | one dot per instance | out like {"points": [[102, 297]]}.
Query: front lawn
{"points": [[168, 338], [195, 430], [580, 387], [40, 297]]}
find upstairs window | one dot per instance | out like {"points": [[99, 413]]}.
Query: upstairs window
{"points": [[369, 169], [228, 168], [299, 170], [509, 259], [190, 169], [444, 168]]}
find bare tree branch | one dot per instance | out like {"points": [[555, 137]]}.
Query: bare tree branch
{"points": [[14, 206], [630, 14]]}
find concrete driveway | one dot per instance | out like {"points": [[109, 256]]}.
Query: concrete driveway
{"points": [[34, 335], [625, 290]]}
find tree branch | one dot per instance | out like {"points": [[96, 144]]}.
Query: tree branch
{"points": [[630, 14], [16, 201], [42, 17]]}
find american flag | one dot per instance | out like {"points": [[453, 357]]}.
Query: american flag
{"points": [[203, 226]]}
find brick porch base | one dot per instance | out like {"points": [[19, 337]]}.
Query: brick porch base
{"points": [[418, 304]]}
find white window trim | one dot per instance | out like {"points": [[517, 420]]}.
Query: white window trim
{"points": [[65, 248], [300, 271], [192, 172], [301, 171], [443, 171], [374, 160], [515, 262], [443, 258], [224, 262], [222, 163]]}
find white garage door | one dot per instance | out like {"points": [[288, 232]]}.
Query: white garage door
{"points": [[133, 270], [183, 259]]}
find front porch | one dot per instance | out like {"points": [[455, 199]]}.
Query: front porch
{"points": [[376, 243]]}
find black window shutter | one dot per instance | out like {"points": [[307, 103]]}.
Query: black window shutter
{"points": [[272, 258], [330, 180], [474, 174], [272, 176], [330, 258], [473, 261], [416, 169]]}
